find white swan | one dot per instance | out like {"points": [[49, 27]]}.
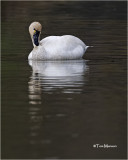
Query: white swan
{"points": [[54, 47]]}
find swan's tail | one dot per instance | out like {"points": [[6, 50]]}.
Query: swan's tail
{"points": [[89, 46]]}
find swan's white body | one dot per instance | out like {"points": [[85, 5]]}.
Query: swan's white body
{"points": [[58, 47]]}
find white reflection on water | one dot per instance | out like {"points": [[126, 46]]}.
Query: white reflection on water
{"points": [[52, 77], [56, 77]]}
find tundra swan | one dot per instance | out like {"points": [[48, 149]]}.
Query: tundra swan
{"points": [[54, 47]]}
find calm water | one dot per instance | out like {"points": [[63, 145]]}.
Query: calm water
{"points": [[60, 109]]}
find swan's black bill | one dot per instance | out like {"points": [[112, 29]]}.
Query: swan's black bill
{"points": [[36, 38]]}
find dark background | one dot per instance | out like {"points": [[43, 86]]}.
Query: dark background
{"points": [[94, 22]]}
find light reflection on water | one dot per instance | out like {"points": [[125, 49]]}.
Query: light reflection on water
{"points": [[47, 77]]}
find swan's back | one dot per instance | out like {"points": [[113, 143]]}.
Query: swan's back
{"points": [[59, 47]]}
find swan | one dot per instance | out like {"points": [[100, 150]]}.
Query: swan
{"points": [[54, 47]]}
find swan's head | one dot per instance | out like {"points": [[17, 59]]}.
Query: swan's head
{"points": [[35, 31]]}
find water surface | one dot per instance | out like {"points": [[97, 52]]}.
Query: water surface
{"points": [[60, 109]]}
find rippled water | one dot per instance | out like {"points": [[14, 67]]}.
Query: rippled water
{"points": [[60, 109], [64, 75]]}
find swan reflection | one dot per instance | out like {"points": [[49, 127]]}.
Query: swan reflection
{"points": [[56, 77], [51, 77]]}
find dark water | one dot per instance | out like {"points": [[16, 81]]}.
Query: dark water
{"points": [[60, 109]]}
